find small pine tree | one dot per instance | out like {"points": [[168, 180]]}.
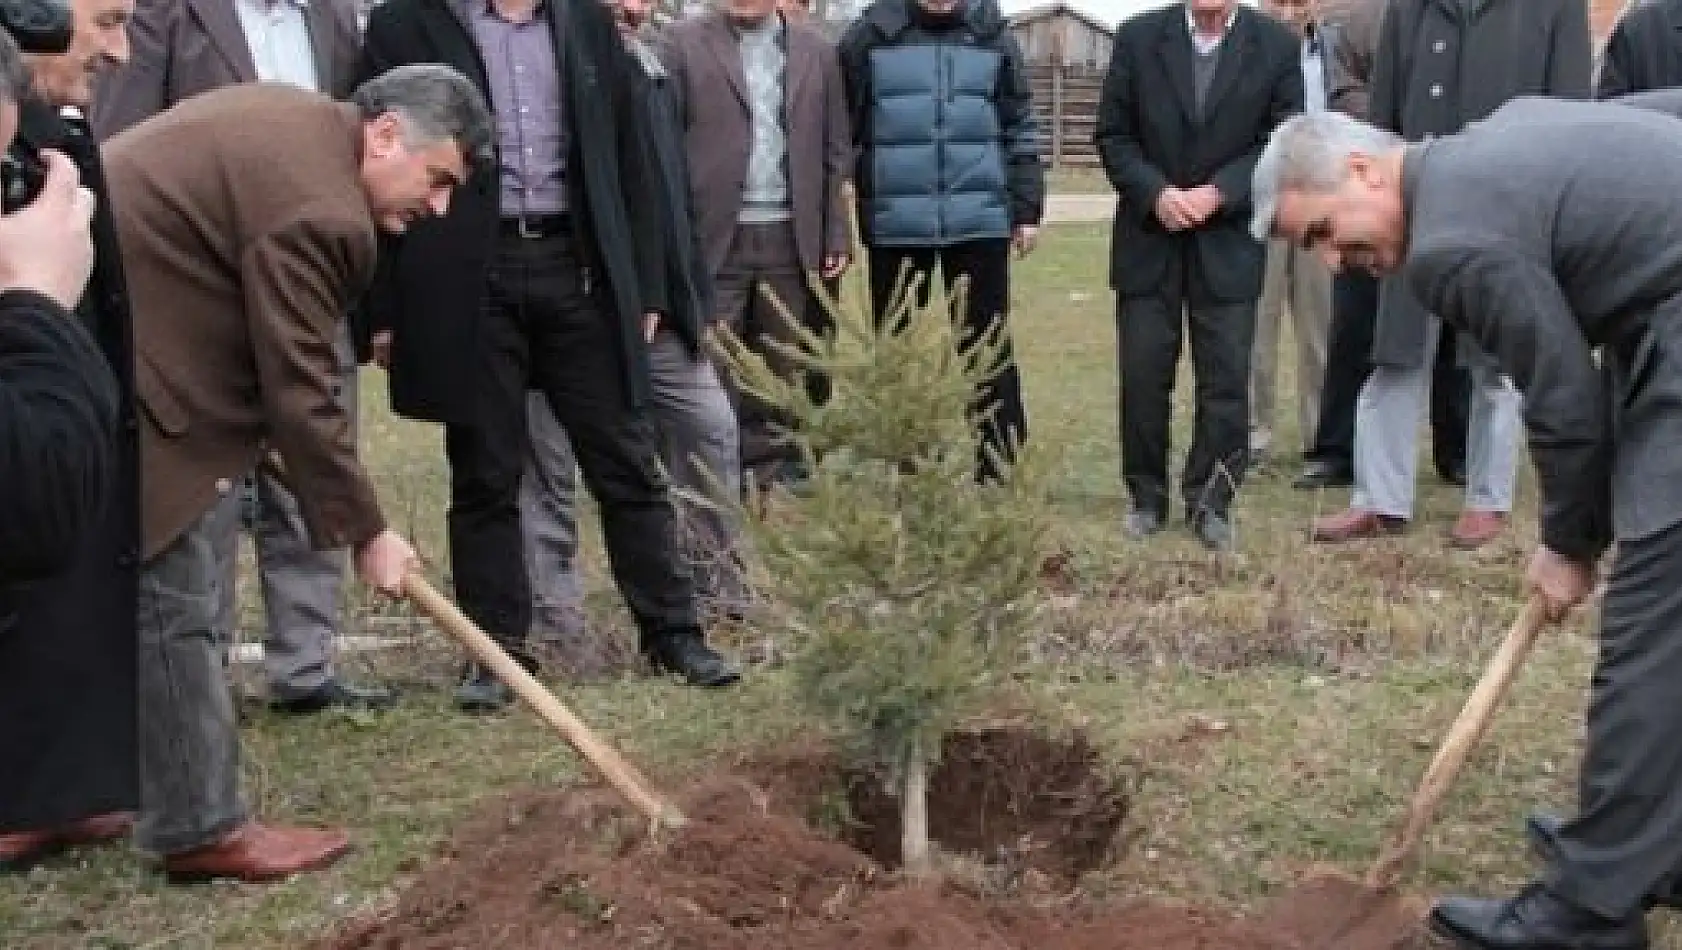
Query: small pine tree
{"points": [[910, 586]]}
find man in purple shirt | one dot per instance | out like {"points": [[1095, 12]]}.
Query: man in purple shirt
{"points": [[551, 278]]}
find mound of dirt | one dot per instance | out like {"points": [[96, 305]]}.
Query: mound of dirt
{"points": [[573, 869]]}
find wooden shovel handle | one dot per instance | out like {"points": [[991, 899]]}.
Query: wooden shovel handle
{"points": [[618, 772], [1463, 736]]}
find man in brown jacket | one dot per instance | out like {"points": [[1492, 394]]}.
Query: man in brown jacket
{"points": [[179, 50], [769, 141], [245, 244]]}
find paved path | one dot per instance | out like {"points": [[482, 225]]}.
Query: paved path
{"points": [[1075, 208]]}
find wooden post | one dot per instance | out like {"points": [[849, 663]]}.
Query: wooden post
{"points": [[1057, 93]]}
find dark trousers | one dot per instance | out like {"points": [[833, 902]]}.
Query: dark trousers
{"points": [[1626, 841], [1149, 331], [1348, 364], [546, 329], [1451, 402], [1002, 419]]}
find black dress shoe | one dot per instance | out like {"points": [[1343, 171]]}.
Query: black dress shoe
{"points": [[481, 691], [1322, 474], [334, 694], [1534, 920], [1542, 829], [688, 655]]}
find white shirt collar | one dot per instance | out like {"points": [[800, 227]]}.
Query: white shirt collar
{"points": [[1204, 43]]}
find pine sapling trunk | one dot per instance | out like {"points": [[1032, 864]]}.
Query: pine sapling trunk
{"points": [[914, 815]]}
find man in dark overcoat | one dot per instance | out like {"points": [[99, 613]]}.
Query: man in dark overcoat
{"points": [[548, 273], [1551, 233]]}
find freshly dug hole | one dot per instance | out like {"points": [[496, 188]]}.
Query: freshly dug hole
{"points": [[572, 869], [1004, 794]]}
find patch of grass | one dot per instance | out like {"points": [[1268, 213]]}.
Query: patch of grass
{"points": [[1077, 180], [1335, 672]]}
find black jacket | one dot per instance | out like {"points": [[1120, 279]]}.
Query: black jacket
{"points": [[1150, 137], [432, 282], [1644, 51], [688, 291], [67, 661], [58, 435]]}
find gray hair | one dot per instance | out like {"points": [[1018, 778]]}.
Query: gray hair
{"points": [[14, 77], [436, 104], [1310, 152]]}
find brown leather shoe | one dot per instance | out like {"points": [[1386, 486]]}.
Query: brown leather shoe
{"points": [[23, 850], [256, 853], [1475, 529], [1353, 524]]}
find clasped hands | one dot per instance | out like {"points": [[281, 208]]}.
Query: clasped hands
{"points": [[1181, 208]]}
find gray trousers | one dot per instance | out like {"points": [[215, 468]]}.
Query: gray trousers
{"points": [[698, 435], [1626, 841], [302, 587], [762, 255], [1388, 415], [189, 737], [1299, 283]]}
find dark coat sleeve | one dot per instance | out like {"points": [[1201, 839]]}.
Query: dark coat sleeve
{"points": [[58, 419], [1571, 59], [1514, 307], [839, 154], [1120, 146], [1025, 175], [1285, 100], [1619, 64], [1384, 99], [374, 311], [853, 50], [639, 172]]}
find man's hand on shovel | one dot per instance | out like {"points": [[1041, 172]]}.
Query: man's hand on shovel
{"points": [[384, 561], [1561, 582]]}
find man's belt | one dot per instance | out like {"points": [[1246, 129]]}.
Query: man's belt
{"points": [[534, 227]]}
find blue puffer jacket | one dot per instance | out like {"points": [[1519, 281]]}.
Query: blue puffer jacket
{"points": [[949, 150]]}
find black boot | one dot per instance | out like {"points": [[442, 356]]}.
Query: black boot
{"points": [[1534, 920], [1542, 829], [687, 654]]}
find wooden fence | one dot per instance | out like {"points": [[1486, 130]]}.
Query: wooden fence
{"points": [[1066, 101]]}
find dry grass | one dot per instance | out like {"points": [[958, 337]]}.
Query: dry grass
{"points": [[1282, 700]]}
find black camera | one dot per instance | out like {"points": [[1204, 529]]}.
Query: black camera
{"points": [[43, 27], [21, 176]]}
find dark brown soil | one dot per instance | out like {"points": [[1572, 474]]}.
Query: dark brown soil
{"points": [[1009, 796], [556, 869]]}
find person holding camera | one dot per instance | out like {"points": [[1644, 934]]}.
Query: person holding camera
{"points": [[68, 671]]}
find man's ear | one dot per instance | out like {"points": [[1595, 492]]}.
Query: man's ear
{"points": [[1366, 169], [383, 135]]}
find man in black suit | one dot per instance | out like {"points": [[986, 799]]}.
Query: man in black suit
{"points": [[1193, 91], [548, 274]]}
